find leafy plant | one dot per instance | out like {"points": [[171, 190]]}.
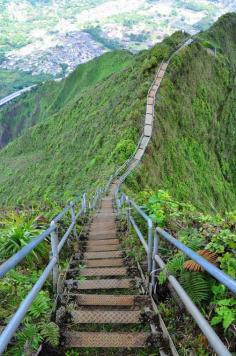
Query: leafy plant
{"points": [[196, 285], [29, 337], [18, 230], [50, 332], [225, 313]]}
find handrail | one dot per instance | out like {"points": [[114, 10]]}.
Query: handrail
{"points": [[52, 266], [219, 275], [193, 310], [222, 277], [20, 255]]}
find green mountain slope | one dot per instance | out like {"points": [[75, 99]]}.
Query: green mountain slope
{"points": [[86, 126], [84, 134], [47, 99], [193, 150]]}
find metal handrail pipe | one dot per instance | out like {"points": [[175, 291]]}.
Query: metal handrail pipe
{"points": [[79, 213], [203, 324], [140, 211], [62, 213], [222, 277], [139, 233], [65, 237], [15, 321], [20, 255]]}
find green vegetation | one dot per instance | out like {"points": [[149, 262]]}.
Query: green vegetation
{"points": [[16, 230], [82, 136], [192, 153], [69, 136], [212, 236], [11, 81]]}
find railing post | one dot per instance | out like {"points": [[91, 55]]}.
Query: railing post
{"points": [[73, 218], [54, 253], [84, 202], [150, 243], [154, 263], [128, 214]]}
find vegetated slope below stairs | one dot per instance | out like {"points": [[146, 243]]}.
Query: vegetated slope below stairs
{"points": [[102, 298]]}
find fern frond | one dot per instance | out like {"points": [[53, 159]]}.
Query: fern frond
{"points": [[41, 305], [50, 332], [175, 265], [196, 285]]}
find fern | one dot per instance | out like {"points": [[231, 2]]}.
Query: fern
{"points": [[175, 265], [29, 336], [191, 238], [50, 332], [41, 305], [197, 286]]}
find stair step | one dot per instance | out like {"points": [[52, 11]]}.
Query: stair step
{"points": [[106, 316], [102, 299], [102, 242], [102, 235], [120, 271], [98, 255], [104, 284], [116, 262], [106, 339], [101, 248]]}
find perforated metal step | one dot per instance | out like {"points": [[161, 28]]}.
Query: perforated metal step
{"points": [[104, 262], [104, 340], [104, 284], [96, 299], [102, 235], [102, 248], [106, 316], [90, 272], [98, 255], [102, 242]]}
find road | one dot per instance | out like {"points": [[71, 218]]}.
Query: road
{"points": [[15, 95]]}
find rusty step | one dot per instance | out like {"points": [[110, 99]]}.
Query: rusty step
{"points": [[104, 284], [102, 236], [102, 248], [106, 339], [88, 316], [102, 299], [91, 272], [98, 255], [102, 242], [115, 262]]}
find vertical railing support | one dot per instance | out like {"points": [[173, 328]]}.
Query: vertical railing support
{"points": [[128, 214], [154, 263], [150, 243], [73, 218], [54, 253], [84, 203]]}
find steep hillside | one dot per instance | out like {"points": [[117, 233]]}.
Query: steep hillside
{"points": [[193, 150], [89, 124], [47, 99], [95, 130]]}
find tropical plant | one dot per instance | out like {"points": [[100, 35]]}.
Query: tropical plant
{"points": [[17, 231], [197, 285]]}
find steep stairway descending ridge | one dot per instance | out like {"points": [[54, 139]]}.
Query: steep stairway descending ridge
{"points": [[108, 310], [108, 299], [135, 159]]}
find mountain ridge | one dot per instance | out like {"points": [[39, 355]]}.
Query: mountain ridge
{"points": [[76, 135]]}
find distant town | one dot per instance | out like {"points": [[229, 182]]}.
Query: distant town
{"points": [[54, 37]]}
